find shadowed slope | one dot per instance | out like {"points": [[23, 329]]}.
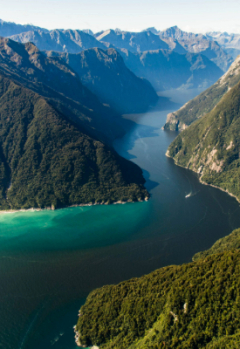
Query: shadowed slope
{"points": [[47, 160], [106, 75]]}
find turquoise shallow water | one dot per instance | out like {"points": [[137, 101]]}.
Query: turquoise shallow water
{"points": [[73, 228], [51, 260]]}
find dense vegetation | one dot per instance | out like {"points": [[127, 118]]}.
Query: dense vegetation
{"points": [[228, 243], [45, 159], [53, 79], [106, 75], [206, 101], [211, 145], [196, 305]]}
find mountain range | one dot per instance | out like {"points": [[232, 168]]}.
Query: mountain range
{"points": [[163, 67], [71, 41], [141, 45], [134, 42], [173, 39]]}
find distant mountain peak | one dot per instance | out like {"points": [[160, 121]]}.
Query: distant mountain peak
{"points": [[88, 31], [175, 29], [152, 30]]}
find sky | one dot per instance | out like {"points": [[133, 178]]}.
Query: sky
{"points": [[131, 15]]}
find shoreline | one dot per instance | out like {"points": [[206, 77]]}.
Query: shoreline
{"points": [[77, 338], [201, 181], [216, 187], [32, 209]]}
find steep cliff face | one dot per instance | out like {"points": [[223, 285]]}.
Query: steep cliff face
{"points": [[211, 145], [173, 123], [206, 101]]}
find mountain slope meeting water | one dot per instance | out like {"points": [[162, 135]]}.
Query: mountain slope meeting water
{"points": [[51, 260], [205, 102], [228, 243], [190, 306], [210, 146], [46, 160]]}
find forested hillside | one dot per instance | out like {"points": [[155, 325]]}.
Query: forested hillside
{"points": [[195, 305], [47, 160]]}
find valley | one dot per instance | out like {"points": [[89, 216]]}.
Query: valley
{"points": [[62, 255], [113, 147]]}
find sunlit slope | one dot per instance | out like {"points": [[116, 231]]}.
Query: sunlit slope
{"points": [[195, 305], [211, 145]]}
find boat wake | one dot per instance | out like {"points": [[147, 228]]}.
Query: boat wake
{"points": [[191, 194]]}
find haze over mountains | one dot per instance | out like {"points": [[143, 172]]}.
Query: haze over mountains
{"points": [[106, 75], [171, 39], [229, 42], [168, 69], [150, 65], [201, 63], [72, 41], [165, 69]]}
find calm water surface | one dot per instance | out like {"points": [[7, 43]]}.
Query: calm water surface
{"points": [[50, 261]]}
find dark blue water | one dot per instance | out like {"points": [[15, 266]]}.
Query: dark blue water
{"points": [[50, 261]]}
